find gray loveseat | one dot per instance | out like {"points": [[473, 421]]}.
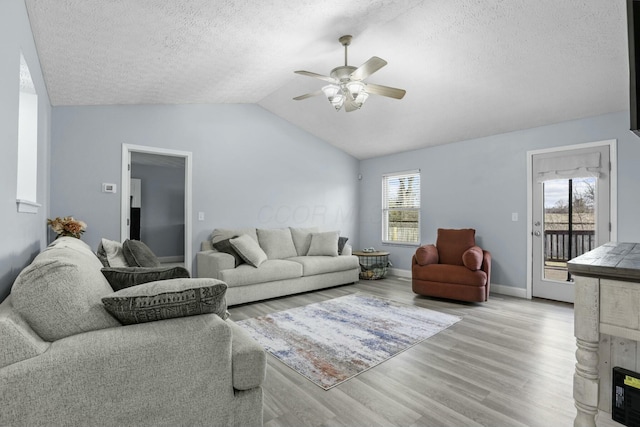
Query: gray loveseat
{"points": [[64, 360], [297, 260]]}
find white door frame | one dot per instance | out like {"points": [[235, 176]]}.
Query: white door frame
{"points": [[613, 200], [127, 149]]}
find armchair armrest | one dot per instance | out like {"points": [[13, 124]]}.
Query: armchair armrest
{"points": [[211, 263], [169, 372], [486, 267]]}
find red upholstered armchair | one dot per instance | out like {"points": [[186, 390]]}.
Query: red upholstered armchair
{"points": [[454, 268]]}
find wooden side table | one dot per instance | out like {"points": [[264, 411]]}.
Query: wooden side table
{"points": [[373, 265]]}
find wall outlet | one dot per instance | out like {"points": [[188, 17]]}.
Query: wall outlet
{"points": [[108, 188], [200, 216], [514, 216]]}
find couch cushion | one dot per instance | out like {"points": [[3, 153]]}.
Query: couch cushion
{"points": [[324, 243], [112, 252], [167, 299], [125, 277], [225, 233], [302, 239], [269, 271], [472, 258], [19, 342], [312, 265], [249, 250], [138, 254], [341, 242], [277, 243], [451, 244], [59, 293], [446, 273]]}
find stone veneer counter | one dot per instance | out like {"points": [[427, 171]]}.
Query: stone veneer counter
{"points": [[606, 323]]}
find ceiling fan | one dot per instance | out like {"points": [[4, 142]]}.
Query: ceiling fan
{"points": [[347, 87]]}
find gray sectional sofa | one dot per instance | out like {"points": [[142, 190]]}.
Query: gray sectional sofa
{"points": [[65, 360], [297, 260]]}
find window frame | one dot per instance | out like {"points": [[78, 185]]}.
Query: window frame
{"points": [[28, 132], [385, 207]]}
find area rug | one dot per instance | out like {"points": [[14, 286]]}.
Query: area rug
{"points": [[334, 340]]}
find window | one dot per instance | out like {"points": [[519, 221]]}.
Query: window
{"points": [[27, 181], [401, 208]]}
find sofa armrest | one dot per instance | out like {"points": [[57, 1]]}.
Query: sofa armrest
{"points": [[211, 263], [169, 372], [347, 250], [248, 359]]}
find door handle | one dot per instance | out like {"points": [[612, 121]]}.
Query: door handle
{"points": [[537, 223], [536, 233]]}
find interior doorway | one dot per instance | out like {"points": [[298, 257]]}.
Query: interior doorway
{"points": [[571, 211], [156, 200]]}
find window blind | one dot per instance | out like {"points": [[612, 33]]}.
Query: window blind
{"points": [[401, 207]]}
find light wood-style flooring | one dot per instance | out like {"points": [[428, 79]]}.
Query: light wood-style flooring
{"points": [[509, 362]]}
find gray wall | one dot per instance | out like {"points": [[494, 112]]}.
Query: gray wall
{"points": [[162, 212], [479, 183], [23, 235], [250, 168]]}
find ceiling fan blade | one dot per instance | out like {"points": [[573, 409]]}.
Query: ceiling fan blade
{"points": [[308, 95], [368, 68], [391, 92], [316, 75]]}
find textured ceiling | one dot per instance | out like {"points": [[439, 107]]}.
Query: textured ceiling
{"points": [[471, 68]]}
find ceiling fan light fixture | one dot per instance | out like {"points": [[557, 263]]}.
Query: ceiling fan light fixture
{"points": [[334, 95], [357, 92]]}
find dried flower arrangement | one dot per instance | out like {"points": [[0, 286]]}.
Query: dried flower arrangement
{"points": [[67, 226]]}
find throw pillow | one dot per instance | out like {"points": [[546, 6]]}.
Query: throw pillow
{"points": [[167, 299], [427, 254], [138, 254], [249, 250], [341, 242], [125, 277], [225, 246], [324, 244], [302, 239], [277, 243], [111, 251], [472, 258]]}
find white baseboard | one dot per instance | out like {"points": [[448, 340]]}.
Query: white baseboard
{"points": [[400, 273], [511, 291], [495, 288], [170, 259]]}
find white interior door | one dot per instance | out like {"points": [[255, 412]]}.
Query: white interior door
{"points": [[571, 214]]}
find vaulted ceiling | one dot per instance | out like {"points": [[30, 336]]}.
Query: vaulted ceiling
{"points": [[471, 68]]}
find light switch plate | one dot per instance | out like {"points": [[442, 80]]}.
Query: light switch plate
{"points": [[514, 216]]}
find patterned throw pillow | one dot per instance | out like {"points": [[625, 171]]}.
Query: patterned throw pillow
{"points": [[138, 254], [125, 277], [167, 299]]}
